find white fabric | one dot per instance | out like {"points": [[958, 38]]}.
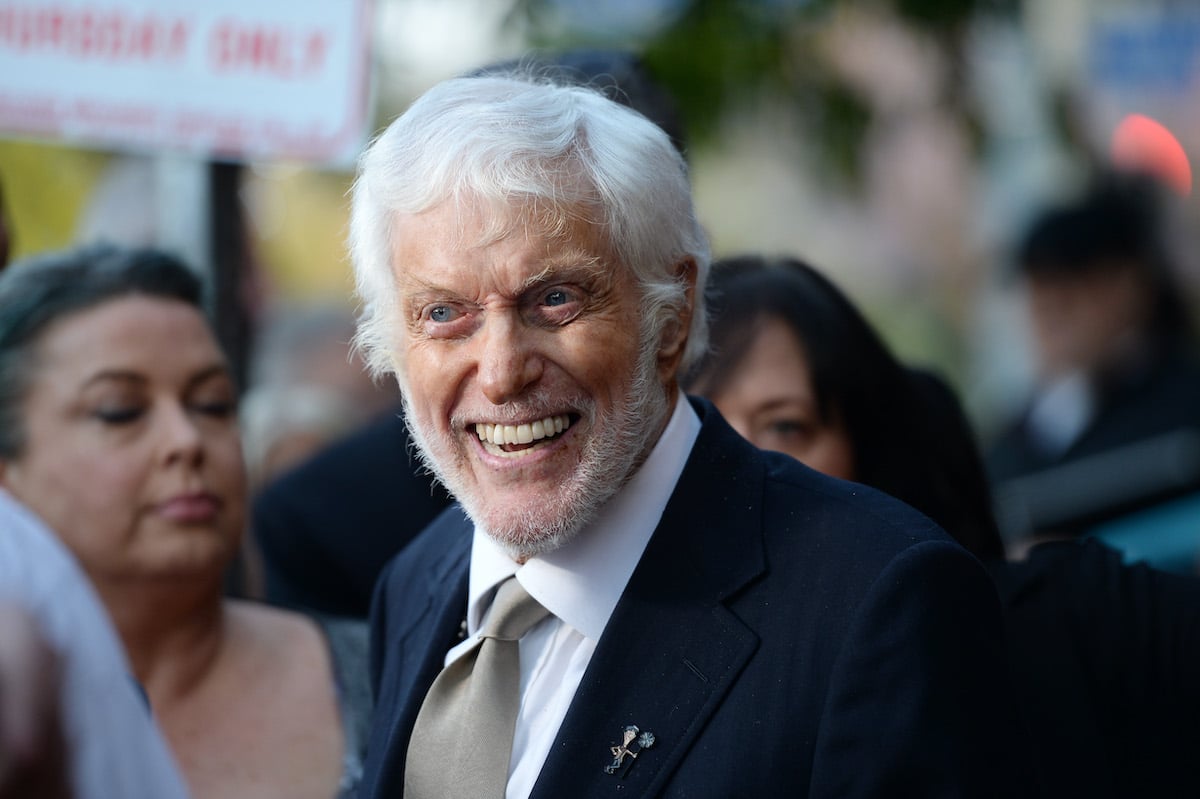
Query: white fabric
{"points": [[579, 584], [1061, 412], [115, 748]]}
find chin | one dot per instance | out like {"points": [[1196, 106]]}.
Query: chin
{"points": [[528, 532], [203, 559]]}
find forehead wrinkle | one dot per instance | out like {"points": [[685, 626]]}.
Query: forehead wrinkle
{"points": [[569, 251], [410, 288], [410, 284]]}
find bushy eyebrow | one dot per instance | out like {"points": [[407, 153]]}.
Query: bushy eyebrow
{"points": [[411, 284], [571, 266], [567, 267], [415, 292]]}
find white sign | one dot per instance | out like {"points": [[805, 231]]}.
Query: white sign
{"points": [[221, 78]]}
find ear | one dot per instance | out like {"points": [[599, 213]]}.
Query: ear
{"points": [[675, 333]]}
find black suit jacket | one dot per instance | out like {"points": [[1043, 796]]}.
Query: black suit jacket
{"points": [[784, 634], [327, 528], [1104, 658]]}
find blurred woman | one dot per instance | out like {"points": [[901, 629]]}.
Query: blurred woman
{"points": [[118, 426], [794, 367]]}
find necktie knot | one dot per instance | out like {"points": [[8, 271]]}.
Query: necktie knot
{"points": [[514, 612]]}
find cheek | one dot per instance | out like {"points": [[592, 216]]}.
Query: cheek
{"points": [[603, 365], [429, 387], [89, 502], [827, 451], [228, 466], [804, 452], [834, 455]]}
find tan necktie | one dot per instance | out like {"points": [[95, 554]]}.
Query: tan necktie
{"points": [[462, 741]]}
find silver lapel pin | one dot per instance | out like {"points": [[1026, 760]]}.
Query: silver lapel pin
{"points": [[633, 741]]}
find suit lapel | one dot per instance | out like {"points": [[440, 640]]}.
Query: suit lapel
{"points": [[672, 647], [420, 649]]}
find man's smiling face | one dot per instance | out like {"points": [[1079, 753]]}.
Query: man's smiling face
{"points": [[525, 383]]}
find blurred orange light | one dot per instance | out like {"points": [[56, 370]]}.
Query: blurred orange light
{"points": [[1142, 144]]}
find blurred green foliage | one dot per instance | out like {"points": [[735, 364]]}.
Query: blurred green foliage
{"points": [[714, 56]]}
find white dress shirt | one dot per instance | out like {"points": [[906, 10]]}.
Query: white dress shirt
{"points": [[579, 583], [114, 747]]}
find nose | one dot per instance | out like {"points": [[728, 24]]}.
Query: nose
{"points": [[182, 441], [508, 362]]}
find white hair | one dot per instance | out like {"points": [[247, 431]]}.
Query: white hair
{"points": [[560, 151]]}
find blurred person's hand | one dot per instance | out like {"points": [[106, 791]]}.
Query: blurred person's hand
{"points": [[32, 751]]}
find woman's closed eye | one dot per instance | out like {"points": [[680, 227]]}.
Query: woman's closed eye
{"points": [[218, 409], [117, 415], [214, 396]]}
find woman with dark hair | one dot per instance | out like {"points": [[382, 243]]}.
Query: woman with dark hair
{"points": [[794, 367], [118, 426]]}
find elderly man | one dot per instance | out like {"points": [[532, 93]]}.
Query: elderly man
{"points": [[628, 599]]}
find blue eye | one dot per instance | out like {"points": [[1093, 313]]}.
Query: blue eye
{"points": [[557, 297], [441, 313]]}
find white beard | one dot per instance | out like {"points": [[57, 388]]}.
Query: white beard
{"points": [[609, 458]]}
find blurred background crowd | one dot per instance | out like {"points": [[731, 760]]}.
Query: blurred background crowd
{"points": [[959, 167], [1002, 187]]}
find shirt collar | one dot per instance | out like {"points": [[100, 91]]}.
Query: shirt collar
{"points": [[581, 581]]}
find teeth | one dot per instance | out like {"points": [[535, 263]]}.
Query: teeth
{"points": [[497, 434]]}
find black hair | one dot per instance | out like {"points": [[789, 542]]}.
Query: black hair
{"points": [[1116, 223], [895, 422], [959, 496], [41, 290]]}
